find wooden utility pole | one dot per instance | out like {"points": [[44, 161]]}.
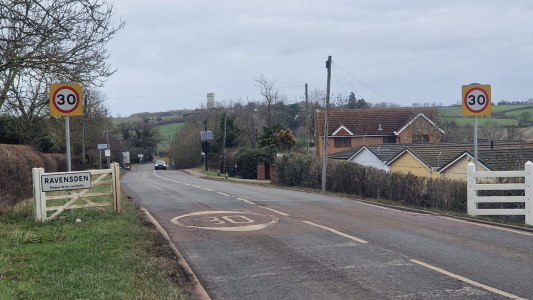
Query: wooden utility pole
{"points": [[222, 164], [83, 138], [325, 151], [306, 119], [107, 136]]}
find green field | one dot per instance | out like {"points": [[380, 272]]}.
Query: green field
{"points": [[455, 113], [170, 129], [125, 120]]}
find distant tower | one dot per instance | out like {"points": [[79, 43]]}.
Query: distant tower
{"points": [[210, 100]]}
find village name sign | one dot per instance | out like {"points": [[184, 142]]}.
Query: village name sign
{"points": [[65, 181]]}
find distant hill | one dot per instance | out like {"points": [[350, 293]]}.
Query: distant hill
{"points": [[162, 114]]}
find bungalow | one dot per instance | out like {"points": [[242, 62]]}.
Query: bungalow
{"points": [[376, 155], [349, 128], [428, 161], [508, 159]]}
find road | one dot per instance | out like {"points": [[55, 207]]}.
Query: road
{"points": [[252, 242]]}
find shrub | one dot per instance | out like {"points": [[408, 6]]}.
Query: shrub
{"points": [[247, 161]]}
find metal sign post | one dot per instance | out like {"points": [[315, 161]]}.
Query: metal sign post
{"points": [[205, 136], [476, 100], [66, 101]]}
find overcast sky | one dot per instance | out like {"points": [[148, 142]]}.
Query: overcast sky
{"points": [[172, 53]]}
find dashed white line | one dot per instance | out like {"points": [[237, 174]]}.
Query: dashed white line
{"points": [[486, 287], [278, 212], [337, 232], [246, 201], [223, 194], [207, 189]]}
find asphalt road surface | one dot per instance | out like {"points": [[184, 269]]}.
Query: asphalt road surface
{"points": [[251, 242]]}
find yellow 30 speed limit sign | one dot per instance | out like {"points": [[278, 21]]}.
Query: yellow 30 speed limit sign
{"points": [[66, 99], [476, 100]]}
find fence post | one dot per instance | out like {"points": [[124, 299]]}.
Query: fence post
{"points": [[38, 195], [528, 205], [115, 179], [471, 193], [117, 187]]}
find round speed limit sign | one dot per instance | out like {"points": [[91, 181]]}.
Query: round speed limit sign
{"points": [[65, 99], [476, 100]]}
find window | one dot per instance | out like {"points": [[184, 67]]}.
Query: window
{"points": [[343, 142], [389, 139], [422, 138]]}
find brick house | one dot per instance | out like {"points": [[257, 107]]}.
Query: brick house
{"points": [[355, 127]]}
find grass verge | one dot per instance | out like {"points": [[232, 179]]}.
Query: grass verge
{"points": [[105, 256]]}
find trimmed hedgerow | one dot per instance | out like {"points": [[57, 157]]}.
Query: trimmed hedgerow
{"points": [[368, 182], [16, 163]]}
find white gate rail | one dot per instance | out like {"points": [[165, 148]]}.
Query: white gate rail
{"points": [[527, 186], [41, 209]]}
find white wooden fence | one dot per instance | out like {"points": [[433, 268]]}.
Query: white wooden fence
{"points": [[527, 186], [41, 209]]}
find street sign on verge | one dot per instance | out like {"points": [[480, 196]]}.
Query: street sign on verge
{"points": [[65, 181], [125, 157], [107, 152], [206, 135], [140, 155], [476, 100], [103, 146], [65, 99]]}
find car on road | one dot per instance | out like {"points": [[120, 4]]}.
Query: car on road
{"points": [[160, 164]]}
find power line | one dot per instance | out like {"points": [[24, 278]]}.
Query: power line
{"points": [[364, 83], [350, 85], [337, 79]]}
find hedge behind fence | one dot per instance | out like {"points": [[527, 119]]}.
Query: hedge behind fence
{"points": [[367, 182], [16, 163]]}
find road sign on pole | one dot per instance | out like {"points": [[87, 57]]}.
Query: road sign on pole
{"points": [[66, 99], [103, 146], [476, 100]]}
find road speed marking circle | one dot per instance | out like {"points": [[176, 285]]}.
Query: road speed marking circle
{"points": [[225, 220], [66, 99], [476, 100]]}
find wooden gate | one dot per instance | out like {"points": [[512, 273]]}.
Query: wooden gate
{"points": [[41, 209]]}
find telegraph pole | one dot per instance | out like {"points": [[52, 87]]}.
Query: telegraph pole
{"points": [[324, 153], [222, 165], [107, 136], [307, 119], [83, 139]]}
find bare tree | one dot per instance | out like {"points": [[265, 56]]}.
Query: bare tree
{"points": [[492, 130], [65, 38], [269, 94]]}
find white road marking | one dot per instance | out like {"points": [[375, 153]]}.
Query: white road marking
{"points": [[207, 189], [223, 194], [489, 226], [337, 232], [217, 221], [278, 212], [488, 288], [246, 201]]}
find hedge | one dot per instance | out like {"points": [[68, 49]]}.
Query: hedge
{"points": [[16, 163]]}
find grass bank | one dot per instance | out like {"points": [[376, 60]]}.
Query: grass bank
{"points": [[105, 256]]}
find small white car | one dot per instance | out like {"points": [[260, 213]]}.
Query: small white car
{"points": [[160, 165]]}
